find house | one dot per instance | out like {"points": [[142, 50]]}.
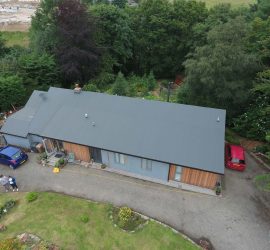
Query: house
{"points": [[174, 144]]}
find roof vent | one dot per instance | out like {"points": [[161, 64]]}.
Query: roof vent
{"points": [[77, 89], [218, 120], [85, 115], [93, 124]]}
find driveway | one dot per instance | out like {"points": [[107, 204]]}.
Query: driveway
{"points": [[237, 221]]}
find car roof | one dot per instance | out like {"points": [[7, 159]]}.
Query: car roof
{"points": [[237, 152], [9, 151]]}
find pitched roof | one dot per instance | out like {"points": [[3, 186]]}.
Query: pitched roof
{"points": [[180, 134]]}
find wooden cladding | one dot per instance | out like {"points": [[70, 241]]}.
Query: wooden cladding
{"points": [[81, 152], [199, 178], [172, 172]]}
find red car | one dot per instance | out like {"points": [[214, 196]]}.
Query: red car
{"points": [[235, 157]]}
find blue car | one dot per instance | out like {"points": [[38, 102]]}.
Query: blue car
{"points": [[13, 157]]}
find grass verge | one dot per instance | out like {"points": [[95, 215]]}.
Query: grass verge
{"points": [[57, 218], [263, 182]]}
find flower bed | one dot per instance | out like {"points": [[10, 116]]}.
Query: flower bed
{"points": [[126, 219]]}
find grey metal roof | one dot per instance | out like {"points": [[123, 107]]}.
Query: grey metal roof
{"points": [[174, 133], [18, 123]]}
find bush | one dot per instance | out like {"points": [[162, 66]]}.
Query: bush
{"points": [[61, 161], [32, 196], [84, 218], [124, 215], [262, 149], [103, 166], [91, 87], [6, 207], [10, 244]]}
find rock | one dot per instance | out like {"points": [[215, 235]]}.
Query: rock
{"points": [[2, 228]]}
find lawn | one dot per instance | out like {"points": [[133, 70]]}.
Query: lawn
{"points": [[15, 38], [57, 218], [234, 3]]}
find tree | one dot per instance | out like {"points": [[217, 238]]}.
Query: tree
{"points": [[259, 41], [220, 73], [43, 35], [255, 122], [120, 86], [2, 46], [76, 52], [12, 92], [39, 71], [163, 32], [263, 8], [113, 35]]}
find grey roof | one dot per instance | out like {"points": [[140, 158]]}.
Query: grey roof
{"points": [[18, 123], [174, 133]]}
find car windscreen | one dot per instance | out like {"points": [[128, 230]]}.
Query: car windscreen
{"points": [[235, 160], [16, 155]]}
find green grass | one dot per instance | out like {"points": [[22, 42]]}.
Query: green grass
{"points": [[263, 182], [231, 137], [57, 218], [16, 38], [234, 3]]}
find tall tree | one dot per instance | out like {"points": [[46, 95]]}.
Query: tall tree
{"points": [[220, 73], [76, 51], [113, 35], [43, 36], [163, 31]]}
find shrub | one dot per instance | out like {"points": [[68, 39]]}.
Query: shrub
{"points": [[90, 87], [6, 207], [262, 149], [124, 215], [61, 161], [84, 218], [103, 166], [10, 244], [32, 196]]}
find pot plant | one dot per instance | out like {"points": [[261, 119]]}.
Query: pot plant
{"points": [[61, 162], [218, 188]]}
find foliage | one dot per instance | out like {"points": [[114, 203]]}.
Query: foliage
{"points": [[163, 31], [113, 35], [90, 87], [263, 182], [32, 196], [61, 161], [120, 3], [84, 218], [255, 122], [263, 8], [6, 207], [262, 149], [38, 70], [76, 52], [126, 219], [219, 74], [43, 32], [120, 86], [11, 244], [103, 80], [260, 39], [12, 92], [231, 137]]}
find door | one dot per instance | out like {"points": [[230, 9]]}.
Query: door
{"points": [[96, 155], [4, 159]]}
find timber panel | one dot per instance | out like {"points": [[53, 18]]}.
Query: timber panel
{"points": [[80, 152], [172, 172], [199, 178]]}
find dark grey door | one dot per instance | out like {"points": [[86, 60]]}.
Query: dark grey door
{"points": [[96, 155]]}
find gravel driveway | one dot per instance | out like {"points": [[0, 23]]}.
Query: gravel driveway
{"points": [[237, 221]]}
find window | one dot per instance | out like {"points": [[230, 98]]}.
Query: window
{"points": [[119, 158], [178, 171], [146, 164]]}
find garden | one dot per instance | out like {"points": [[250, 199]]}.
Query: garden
{"points": [[73, 223]]}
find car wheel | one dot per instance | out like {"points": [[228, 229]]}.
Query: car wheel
{"points": [[11, 166]]}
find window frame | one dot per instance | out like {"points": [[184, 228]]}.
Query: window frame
{"points": [[146, 164]]}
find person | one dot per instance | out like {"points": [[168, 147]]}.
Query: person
{"points": [[4, 182], [12, 183]]}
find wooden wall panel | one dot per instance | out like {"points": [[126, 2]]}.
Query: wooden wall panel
{"points": [[172, 172], [81, 152], [199, 177]]}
